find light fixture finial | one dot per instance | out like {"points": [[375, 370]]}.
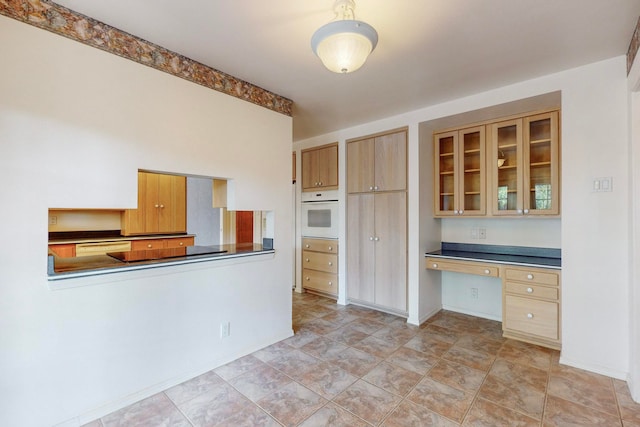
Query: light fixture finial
{"points": [[344, 45]]}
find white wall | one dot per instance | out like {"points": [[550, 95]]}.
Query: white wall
{"points": [[594, 227], [76, 123]]}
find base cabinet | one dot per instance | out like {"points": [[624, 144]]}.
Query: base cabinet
{"points": [[320, 265]]}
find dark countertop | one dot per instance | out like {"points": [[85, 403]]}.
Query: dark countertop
{"points": [[66, 268], [60, 238], [516, 255]]}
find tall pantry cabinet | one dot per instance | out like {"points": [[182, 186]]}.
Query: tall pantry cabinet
{"points": [[377, 221]]}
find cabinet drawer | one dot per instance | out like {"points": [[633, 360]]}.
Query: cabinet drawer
{"points": [[65, 250], [319, 280], [534, 276], [320, 245], [532, 290], [101, 248], [531, 316], [462, 267], [179, 242], [319, 261], [143, 245]]}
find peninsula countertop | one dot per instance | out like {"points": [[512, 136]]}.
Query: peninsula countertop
{"points": [[66, 268]]}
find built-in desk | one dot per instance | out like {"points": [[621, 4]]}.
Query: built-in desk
{"points": [[531, 297]]}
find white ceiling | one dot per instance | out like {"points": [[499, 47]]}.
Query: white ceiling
{"points": [[429, 51]]}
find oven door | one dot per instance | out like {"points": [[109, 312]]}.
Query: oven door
{"points": [[320, 219]]}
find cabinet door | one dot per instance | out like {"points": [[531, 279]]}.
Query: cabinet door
{"points": [[541, 160], [472, 174], [391, 162], [360, 161], [505, 163], [137, 221], [172, 204], [390, 240], [360, 247], [328, 167], [309, 170], [445, 169]]}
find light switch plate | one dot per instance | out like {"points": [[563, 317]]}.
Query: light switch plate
{"points": [[602, 184]]}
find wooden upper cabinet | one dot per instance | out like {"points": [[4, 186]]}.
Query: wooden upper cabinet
{"points": [[162, 206], [525, 166], [320, 168], [377, 163], [460, 172]]}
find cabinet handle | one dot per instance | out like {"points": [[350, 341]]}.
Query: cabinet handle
{"points": [[435, 265], [371, 238], [530, 290], [376, 238], [306, 246], [149, 245], [487, 271], [307, 259], [530, 276], [529, 315], [157, 205], [320, 183], [307, 278], [330, 283], [161, 206], [526, 211], [461, 211], [370, 188], [375, 188], [455, 211], [330, 263], [519, 211], [181, 243], [330, 248]]}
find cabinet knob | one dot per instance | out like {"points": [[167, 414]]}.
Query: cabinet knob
{"points": [[371, 238], [330, 248], [530, 290], [320, 184], [434, 265], [526, 211], [370, 188], [461, 211], [519, 211], [157, 206], [530, 276], [455, 211], [306, 246], [181, 243], [161, 206], [375, 187], [149, 245], [330, 263], [307, 278], [330, 283], [529, 315], [487, 271], [307, 259], [376, 238]]}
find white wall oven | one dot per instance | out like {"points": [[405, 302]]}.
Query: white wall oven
{"points": [[320, 214]]}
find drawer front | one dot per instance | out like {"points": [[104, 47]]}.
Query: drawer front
{"points": [[143, 245], [88, 249], [532, 290], [320, 245], [179, 242], [534, 276], [530, 316], [462, 267], [319, 261], [320, 281], [65, 250]]}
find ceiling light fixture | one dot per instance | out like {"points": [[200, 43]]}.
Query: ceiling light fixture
{"points": [[344, 45]]}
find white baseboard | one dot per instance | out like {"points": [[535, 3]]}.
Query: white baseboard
{"points": [[602, 370], [473, 313]]}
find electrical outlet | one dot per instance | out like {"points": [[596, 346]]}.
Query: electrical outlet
{"points": [[482, 233], [474, 293], [53, 220], [225, 329]]}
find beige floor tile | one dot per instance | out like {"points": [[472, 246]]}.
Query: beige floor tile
{"points": [[412, 360], [292, 404], [600, 397], [367, 401], [457, 375], [516, 395], [250, 416], [443, 399], [559, 412], [194, 387], [260, 382], [295, 364], [327, 380], [323, 348], [526, 354], [428, 344], [396, 336], [479, 343], [155, 410], [356, 362], [331, 415], [409, 414], [302, 337], [348, 335], [487, 414], [510, 372], [393, 378], [474, 359], [376, 346], [238, 367], [629, 409], [273, 351], [215, 406]]}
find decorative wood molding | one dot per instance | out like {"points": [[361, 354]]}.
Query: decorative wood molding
{"points": [[68, 23], [633, 46]]}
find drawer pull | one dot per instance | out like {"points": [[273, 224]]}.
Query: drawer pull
{"points": [[307, 278], [529, 315], [487, 271], [157, 206], [330, 263], [370, 188], [181, 243], [530, 290], [530, 276], [330, 248], [149, 245], [435, 265], [306, 246], [307, 259], [330, 283]]}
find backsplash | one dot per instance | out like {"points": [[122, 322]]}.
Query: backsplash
{"points": [[83, 220]]}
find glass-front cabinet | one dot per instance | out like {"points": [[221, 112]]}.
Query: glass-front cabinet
{"points": [[460, 177], [524, 164]]}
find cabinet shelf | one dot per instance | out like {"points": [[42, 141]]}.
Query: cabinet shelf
{"points": [[471, 193], [540, 164], [507, 167], [540, 141], [446, 173], [471, 170], [472, 151], [446, 154], [508, 146], [446, 194]]}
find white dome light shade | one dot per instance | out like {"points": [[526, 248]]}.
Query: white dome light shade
{"points": [[343, 46]]}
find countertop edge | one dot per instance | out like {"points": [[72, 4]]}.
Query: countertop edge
{"points": [[487, 261]]}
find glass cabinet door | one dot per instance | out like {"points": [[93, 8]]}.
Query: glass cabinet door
{"points": [[541, 160], [472, 181], [446, 182], [506, 166]]}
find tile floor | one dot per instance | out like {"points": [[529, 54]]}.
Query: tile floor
{"points": [[350, 366]]}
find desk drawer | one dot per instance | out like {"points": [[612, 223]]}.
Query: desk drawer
{"points": [[468, 267], [320, 245], [532, 290], [101, 248], [533, 276], [320, 281], [531, 316]]}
